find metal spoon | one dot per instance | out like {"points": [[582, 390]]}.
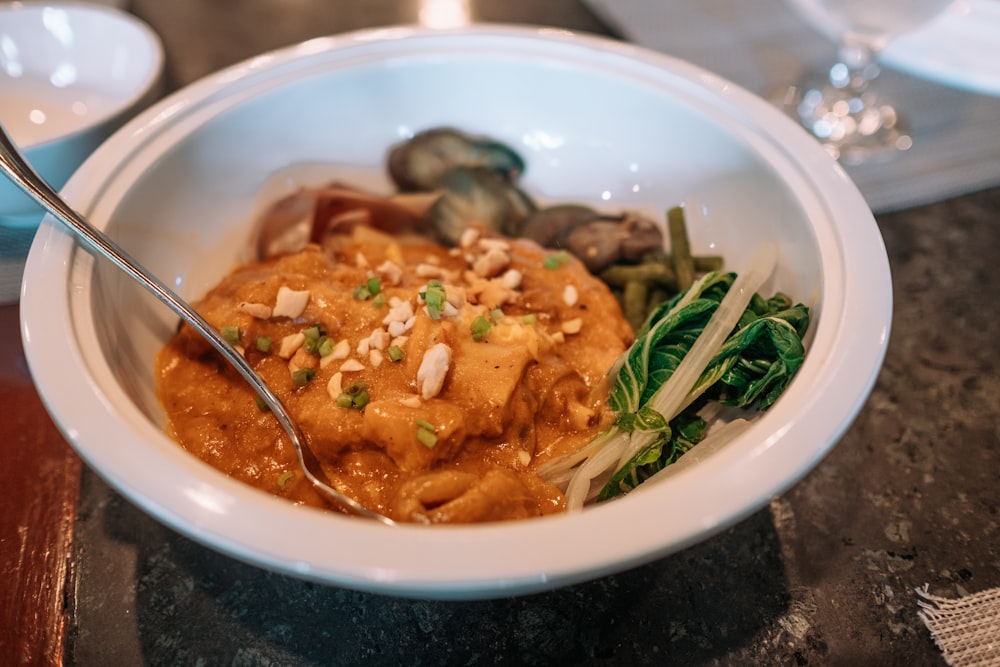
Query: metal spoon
{"points": [[13, 164]]}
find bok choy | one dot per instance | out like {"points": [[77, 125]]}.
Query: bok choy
{"points": [[718, 341]]}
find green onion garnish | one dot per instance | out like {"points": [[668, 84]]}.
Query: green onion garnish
{"points": [[231, 335], [261, 403], [312, 335], [435, 297], [379, 300], [395, 353], [495, 315], [555, 260], [361, 293], [480, 327], [263, 344], [530, 318], [374, 286], [286, 478], [303, 376], [355, 387], [355, 395], [361, 399], [325, 347], [426, 433]]}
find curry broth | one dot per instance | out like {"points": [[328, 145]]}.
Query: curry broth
{"points": [[519, 395]]}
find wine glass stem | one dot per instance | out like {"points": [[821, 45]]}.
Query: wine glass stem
{"points": [[855, 67]]}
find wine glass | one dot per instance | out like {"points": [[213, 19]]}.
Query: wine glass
{"points": [[841, 106]]}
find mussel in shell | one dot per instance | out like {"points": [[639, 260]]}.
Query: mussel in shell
{"points": [[419, 163], [597, 239], [477, 196], [448, 181]]}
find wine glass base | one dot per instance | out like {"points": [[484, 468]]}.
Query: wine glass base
{"points": [[854, 127]]}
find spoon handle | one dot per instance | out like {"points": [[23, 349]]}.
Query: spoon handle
{"points": [[13, 164]]}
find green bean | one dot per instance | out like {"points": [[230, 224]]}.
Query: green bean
{"points": [[634, 299], [680, 248], [657, 295], [706, 263], [619, 275], [641, 287]]}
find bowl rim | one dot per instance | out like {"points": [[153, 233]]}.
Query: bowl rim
{"points": [[146, 87], [433, 563]]}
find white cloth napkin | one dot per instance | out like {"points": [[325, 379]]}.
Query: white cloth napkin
{"points": [[966, 629], [764, 47]]}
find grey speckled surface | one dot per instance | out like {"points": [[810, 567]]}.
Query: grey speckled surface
{"points": [[823, 576]]}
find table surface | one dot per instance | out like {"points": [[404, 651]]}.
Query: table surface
{"points": [[825, 574]]}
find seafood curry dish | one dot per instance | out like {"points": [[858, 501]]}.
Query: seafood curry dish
{"points": [[450, 350]]}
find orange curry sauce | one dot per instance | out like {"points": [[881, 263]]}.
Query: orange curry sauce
{"points": [[464, 401]]}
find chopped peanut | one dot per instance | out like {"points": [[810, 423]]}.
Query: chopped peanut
{"points": [[301, 359], [433, 369], [455, 295], [489, 244], [396, 328], [341, 350], [379, 339], [570, 295], [511, 279], [411, 401], [290, 303], [351, 366], [469, 237], [335, 387], [290, 344], [259, 311], [390, 272], [491, 263], [495, 295]]}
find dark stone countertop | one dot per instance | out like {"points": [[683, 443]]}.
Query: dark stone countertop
{"points": [[825, 575]]}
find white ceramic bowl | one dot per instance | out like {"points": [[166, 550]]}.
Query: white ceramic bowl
{"points": [[70, 74], [598, 121]]}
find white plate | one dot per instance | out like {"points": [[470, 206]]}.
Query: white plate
{"points": [[961, 48], [597, 120]]}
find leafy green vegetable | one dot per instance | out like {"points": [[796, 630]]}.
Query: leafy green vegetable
{"points": [[716, 341], [751, 369], [661, 343], [685, 432]]}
